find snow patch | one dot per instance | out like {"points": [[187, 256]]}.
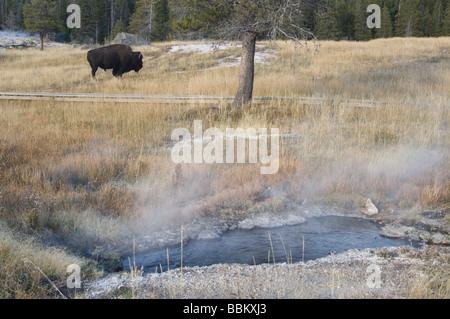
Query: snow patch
{"points": [[202, 48], [205, 48], [14, 39]]}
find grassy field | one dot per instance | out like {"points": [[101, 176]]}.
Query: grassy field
{"points": [[77, 175]]}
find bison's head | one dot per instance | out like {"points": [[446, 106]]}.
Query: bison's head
{"points": [[137, 61]]}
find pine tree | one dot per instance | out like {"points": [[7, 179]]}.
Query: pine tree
{"points": [[327, 26], [11, 14], [41, 16], [307, 18], [409, 20], [157, 19], [100, 20], [118, 28], [161, 20], [123, 8], [11, 22], [84, 34], [94, 25], [345, 18], [386, 30], [436, 19], [200, 18], [362, 32], [445, 31], [142, 19]]}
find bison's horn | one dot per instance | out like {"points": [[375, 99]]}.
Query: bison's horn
{"points": [[140, 56]]}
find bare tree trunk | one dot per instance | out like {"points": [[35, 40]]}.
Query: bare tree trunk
{"points": [[112, 16], [96, 33], [150, 19], [247, 71], [41, 36]]}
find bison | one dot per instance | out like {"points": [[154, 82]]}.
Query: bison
{"points": [[118, 57]]}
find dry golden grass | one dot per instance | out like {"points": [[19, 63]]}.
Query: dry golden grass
{"points": [[91, 172], [30, 270], [397, 69], [434, 283]]}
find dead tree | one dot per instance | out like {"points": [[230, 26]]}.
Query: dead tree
{"points": [[247, 20]]}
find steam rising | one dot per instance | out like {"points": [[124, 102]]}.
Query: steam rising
{"points": [[165, 201], [382, 174]]}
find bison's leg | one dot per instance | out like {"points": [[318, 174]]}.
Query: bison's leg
{"points": [[94, 66], [117, 72], [94, 70]]}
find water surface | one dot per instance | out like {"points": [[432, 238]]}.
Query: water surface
{"points": [[315, 238]]}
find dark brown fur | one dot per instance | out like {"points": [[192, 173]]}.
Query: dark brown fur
{"points": [[118, 57]]}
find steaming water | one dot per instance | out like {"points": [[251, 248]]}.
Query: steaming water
{"points": [[322, 235]]}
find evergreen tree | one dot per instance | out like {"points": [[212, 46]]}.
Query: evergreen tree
{"points": [[360, 26], [142, 19], [11, 22], [94, 22], [409, 20], [386, 30], [99, 18], [63, 34], [157, 19], [327, 26], [307, 18], [151, 20], [123, 11], [11, 14], [160, 29], [436, 19], [41, 16], [84, 34], [445, 31], [345, 17], [118, 28], [361, 31]]}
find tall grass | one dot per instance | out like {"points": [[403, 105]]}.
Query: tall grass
{"points": [[31, 270], [395, 69], [93, 173], [115, 159]]}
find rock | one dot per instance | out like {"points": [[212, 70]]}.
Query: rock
{"points": [[207, 235], [412, 233], [129, 39], [250, 223], [392, 231], [294, 220], [434, 237], [109, 259], [438, 238], [267, 221], [371, 209], [413, 237]]}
